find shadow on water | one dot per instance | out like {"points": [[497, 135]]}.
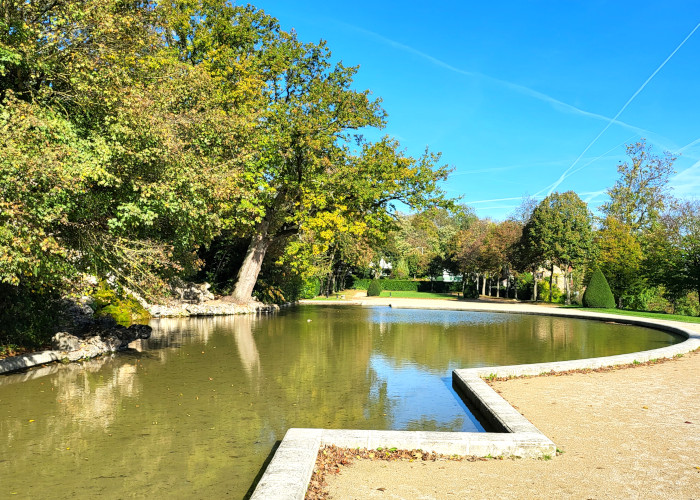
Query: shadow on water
{"points": [[260, 473], [475, 415]]}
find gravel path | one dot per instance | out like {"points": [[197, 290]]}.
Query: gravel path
{"points": [[630, 433]]}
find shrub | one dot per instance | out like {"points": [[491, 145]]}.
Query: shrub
{"points": [[310, 288], [470, 290], [355, 283], [598, 292], [374, 289], [28, 314], [543, 292]]}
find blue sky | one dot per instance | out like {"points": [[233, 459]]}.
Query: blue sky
{"points": [[523, 97]]}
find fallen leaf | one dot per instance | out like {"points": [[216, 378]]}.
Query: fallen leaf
{"points": [[381, 489], [688, 422], [645, 407]]}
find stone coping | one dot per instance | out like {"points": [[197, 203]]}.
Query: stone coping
{"points": [[288, 474]]}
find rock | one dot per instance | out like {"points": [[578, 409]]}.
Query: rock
{"points": [[192, 293], [141, 331], [124, 336], [64, 341]]}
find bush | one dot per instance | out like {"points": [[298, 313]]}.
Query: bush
{"points": [[355, 283], [470, 290], [28, 315], [598, 292], [543, 292], [374, 289], [687, 305], [310, 288], [526, 285]]}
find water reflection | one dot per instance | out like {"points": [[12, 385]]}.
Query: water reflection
{"points": [[195, 410]]}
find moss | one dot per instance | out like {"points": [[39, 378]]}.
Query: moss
{"points": [[125, 310]]}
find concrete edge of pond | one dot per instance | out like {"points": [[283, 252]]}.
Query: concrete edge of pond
{"points": [[288, 474], [24, 361]]}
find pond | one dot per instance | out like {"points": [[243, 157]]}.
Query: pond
{"points": [[196, 410]]}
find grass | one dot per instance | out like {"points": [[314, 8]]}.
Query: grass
{"points": [[394, 294], [417, 295], [644, 314]]}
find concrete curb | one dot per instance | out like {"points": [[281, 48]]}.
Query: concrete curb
{"points": [[28, 361], [288, 474]]}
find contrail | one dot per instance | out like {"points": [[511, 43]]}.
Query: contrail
{"points": [[614, 118], [569, 172], [503, 83], [689, 145]]}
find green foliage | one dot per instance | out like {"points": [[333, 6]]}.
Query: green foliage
{"points": [[407, 285], [559, 232], [374, 289], [598, 293], [401, 270], [647, 299], [28, 314], [268, 294], [124, 308], [543, 292], [311, 288], [687, 305], [620, 257], [641, 194], [470, 290], [526, 284]]}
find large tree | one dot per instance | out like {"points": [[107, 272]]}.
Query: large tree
{"points": [[641, 194], [673, 251], [308, 163], [559, 232], [619, 258]]}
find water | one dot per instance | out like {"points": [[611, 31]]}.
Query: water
{"points": [[196, 410]]}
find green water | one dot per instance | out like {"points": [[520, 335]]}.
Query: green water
{"points": [[196, 410]]}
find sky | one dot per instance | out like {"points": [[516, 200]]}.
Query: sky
{"points": [[523, 98]]}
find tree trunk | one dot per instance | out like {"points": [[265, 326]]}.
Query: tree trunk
{"points": [[567, 277], [483, 284], [498, 286], [534, 290], [551, 278], [250, 269]]}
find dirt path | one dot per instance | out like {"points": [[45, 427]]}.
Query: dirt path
{"points": [[631, 433]]}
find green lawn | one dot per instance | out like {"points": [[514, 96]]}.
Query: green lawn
{"points": [[400, 295], [418, 295], [645, 314]]}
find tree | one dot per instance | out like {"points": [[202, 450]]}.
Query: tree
{"points": [[467, 247], [559, 232], [641, 193], [90, 168], [673, 255], [619, 258]]}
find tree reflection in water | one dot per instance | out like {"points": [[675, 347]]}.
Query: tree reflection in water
{"points": [[196, 409]]}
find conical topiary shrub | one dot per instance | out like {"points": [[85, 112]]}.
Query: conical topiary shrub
{"points": [[374, 289], [598, 292]]}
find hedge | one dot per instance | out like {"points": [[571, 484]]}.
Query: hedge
{"points": [[407, 285]]}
